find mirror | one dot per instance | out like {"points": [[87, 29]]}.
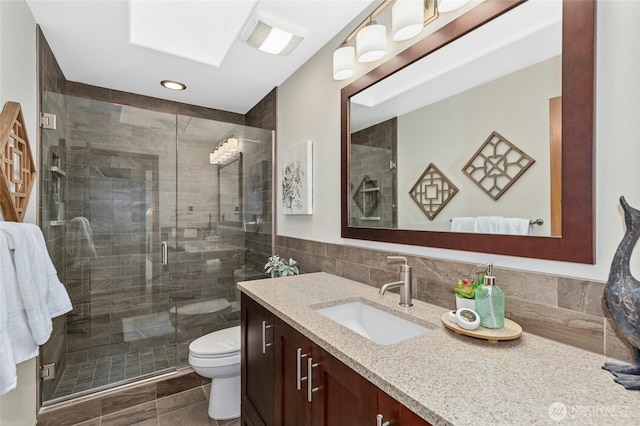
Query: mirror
{"points": [[434, 167], [230, 192]]}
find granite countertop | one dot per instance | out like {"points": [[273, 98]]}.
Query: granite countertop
{"points": [[449, 379]]}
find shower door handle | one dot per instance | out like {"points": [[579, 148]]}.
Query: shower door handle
{"points": [[165, 254]]}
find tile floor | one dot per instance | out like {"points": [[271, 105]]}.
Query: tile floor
{"points": [[150, 415], [180, 399]]}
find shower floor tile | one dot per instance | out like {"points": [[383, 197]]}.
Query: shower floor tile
{"points": [[88, 375]]}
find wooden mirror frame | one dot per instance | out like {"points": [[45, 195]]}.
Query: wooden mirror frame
{"points": [[578, 120]]}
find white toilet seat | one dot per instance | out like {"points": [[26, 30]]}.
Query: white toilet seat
{"points": [[212, 362], [219, 344]]}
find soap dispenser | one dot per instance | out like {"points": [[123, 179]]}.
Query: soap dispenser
{"points": [[490, 302]]}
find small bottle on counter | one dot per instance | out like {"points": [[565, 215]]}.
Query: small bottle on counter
{"points": [[490, 302]]}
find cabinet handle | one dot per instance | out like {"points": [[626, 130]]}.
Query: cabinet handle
{"points": [[379, 418], [310, 388], [299, 378], [264, 337], [165, 254]]}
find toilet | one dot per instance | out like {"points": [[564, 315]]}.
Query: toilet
{"points": [[217, 356]]}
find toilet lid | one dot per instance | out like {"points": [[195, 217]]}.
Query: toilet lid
{"points": [[216, 344]]}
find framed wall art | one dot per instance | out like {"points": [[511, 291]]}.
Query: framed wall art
{"points": [[297, 179]]}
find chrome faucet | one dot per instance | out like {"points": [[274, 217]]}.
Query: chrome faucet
{"points": [[404, 284]]}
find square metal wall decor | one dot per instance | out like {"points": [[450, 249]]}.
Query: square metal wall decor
{"points": [[433, 191], [497, 165]]}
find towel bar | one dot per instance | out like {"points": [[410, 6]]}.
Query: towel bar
{"points": [[531, 222]]}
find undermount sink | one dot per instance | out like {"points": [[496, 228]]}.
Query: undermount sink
{"points": [[376, 325]]}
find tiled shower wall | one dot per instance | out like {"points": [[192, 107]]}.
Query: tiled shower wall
{"points": [[373, 156], [566, 310], [258, 244]]}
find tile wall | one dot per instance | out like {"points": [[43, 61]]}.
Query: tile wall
{"points": [[258, 244], [373, 156], [566, 310]]}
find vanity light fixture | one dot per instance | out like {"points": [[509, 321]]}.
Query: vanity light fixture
{"points": [[445, 6], [408, 18], [344, 62], [225, 150], [173, 85], [272, 35], [371, 42]]}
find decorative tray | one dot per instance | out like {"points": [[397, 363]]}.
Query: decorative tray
{"points": [[511, 330]]}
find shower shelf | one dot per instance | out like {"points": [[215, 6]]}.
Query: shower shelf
{"points": [[58, 170]]}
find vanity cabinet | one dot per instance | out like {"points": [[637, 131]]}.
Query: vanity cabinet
{"points": [[289, 380], [257, 384]]}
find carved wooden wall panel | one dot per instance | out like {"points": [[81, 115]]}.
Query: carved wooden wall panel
{"points": [[17, 169]]}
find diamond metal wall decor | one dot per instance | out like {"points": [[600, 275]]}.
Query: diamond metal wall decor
{"points": [[17, 169], [497, 165], [432, 191]]}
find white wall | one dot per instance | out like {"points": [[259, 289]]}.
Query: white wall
{"points": [[18, 84], [449, 132], [309, 108]]}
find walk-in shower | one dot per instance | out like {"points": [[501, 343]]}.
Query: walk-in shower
{"points": [[148, 236]]}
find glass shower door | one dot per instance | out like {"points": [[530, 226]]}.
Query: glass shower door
{"points": [[119, 207], [210, 240], [223, 223]]}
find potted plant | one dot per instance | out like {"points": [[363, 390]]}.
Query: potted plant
{"points": [[466, 294], [278, 267]]}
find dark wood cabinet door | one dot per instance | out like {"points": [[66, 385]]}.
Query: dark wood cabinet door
{"points": [[340, 396], [397, 414], [292, 352], [257, 362]]}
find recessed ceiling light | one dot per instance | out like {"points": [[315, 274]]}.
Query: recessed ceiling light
{"points": [[172, 85]]}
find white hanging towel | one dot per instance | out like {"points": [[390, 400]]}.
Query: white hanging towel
{"points": [[515, 226], [463, 224], [43, 296], [487, 224], [8, 377], [20, 339], [79, 240]]}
